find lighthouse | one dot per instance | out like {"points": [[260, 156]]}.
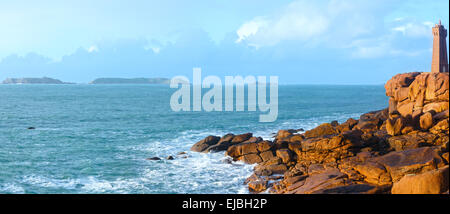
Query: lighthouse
{"points": [[439, 62]]}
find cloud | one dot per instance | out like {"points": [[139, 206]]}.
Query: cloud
{"points": [[298, 21], [354, 27], [93, 48]]}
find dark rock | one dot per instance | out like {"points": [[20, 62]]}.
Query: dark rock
{"points": [[154, 158], [204, 144]]}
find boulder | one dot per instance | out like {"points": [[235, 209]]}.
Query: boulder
{"points": [[431, 182], [426, 121], [328, 179], [267, 155], [270, 169], [395, 127], [204, 144], [241, 149], [283, 134], [410, 161], [250, 158], [347, 125], [241, 138], [285, 155], [223, 144], [322, 130], [264, 146], [412, 140]]}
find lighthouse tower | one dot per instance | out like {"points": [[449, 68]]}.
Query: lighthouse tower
{"points": [[439, 62]]}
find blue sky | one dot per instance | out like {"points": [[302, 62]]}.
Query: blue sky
{"points": [[306, 42]]}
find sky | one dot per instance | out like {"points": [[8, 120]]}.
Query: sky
{"points": [[302, 42]]}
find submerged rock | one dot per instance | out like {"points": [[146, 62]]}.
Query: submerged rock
{"points": [[153, 158]]}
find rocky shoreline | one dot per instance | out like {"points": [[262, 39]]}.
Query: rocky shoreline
{"points": [[402, 149]]}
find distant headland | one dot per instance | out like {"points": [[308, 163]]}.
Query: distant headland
{"points": [[43, 80], [131, 81], [48, 80]]}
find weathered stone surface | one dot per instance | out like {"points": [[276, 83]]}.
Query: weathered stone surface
{"points": [[222, 145], [399, 81], [418, 160], [356, 189], [267, 155], [270, 169], [264, 146], [431, 182], [204, 144], [322, 130], [241, 149], [347, 125], [283, 134], [436, 107], [426, 121], [241, 138], [440, 127], [374, 173], [412, 141], [372, 120], [395, 127], [285, 155], [328, 179], [250, 158], [418, 92]]}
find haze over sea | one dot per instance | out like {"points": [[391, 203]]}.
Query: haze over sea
{"points": [[96, 138]]}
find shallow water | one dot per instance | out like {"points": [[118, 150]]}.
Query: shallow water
{"points": [[95, 138]]}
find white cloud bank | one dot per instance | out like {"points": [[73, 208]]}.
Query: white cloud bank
{"points": [[359, 26]]}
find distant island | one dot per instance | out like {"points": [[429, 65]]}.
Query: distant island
{"points": [[43, 80], [131, 81]]}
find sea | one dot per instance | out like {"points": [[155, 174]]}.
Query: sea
{"points": [[96, 138]]}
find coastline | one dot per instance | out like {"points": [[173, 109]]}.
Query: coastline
{"points": [[402, 149]]}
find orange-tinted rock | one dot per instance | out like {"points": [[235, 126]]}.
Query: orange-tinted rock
{"points": [[405, 108], [436, 107], [271, 169], [395, 127], [322, 130], [292, 180], [372, 120], [431, 182], [283, 134], [250, 158], [222, 145], [328, 179], [441, 115], [426, 121], [347, 125], [253, 140], [399, 81], [412, 140], [374, 173], [264, 146], [266, 156], [356, 189], [241, 138], [242, 149], [296, 138], [202, 145], [285, 155], [440, 127], [407, 130], [257, 185], [410, 161]]}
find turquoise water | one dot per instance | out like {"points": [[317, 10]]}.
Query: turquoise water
{"points": [[95, 138]]}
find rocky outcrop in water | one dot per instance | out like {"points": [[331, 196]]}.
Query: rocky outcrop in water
{"points": [[400, 149]]}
